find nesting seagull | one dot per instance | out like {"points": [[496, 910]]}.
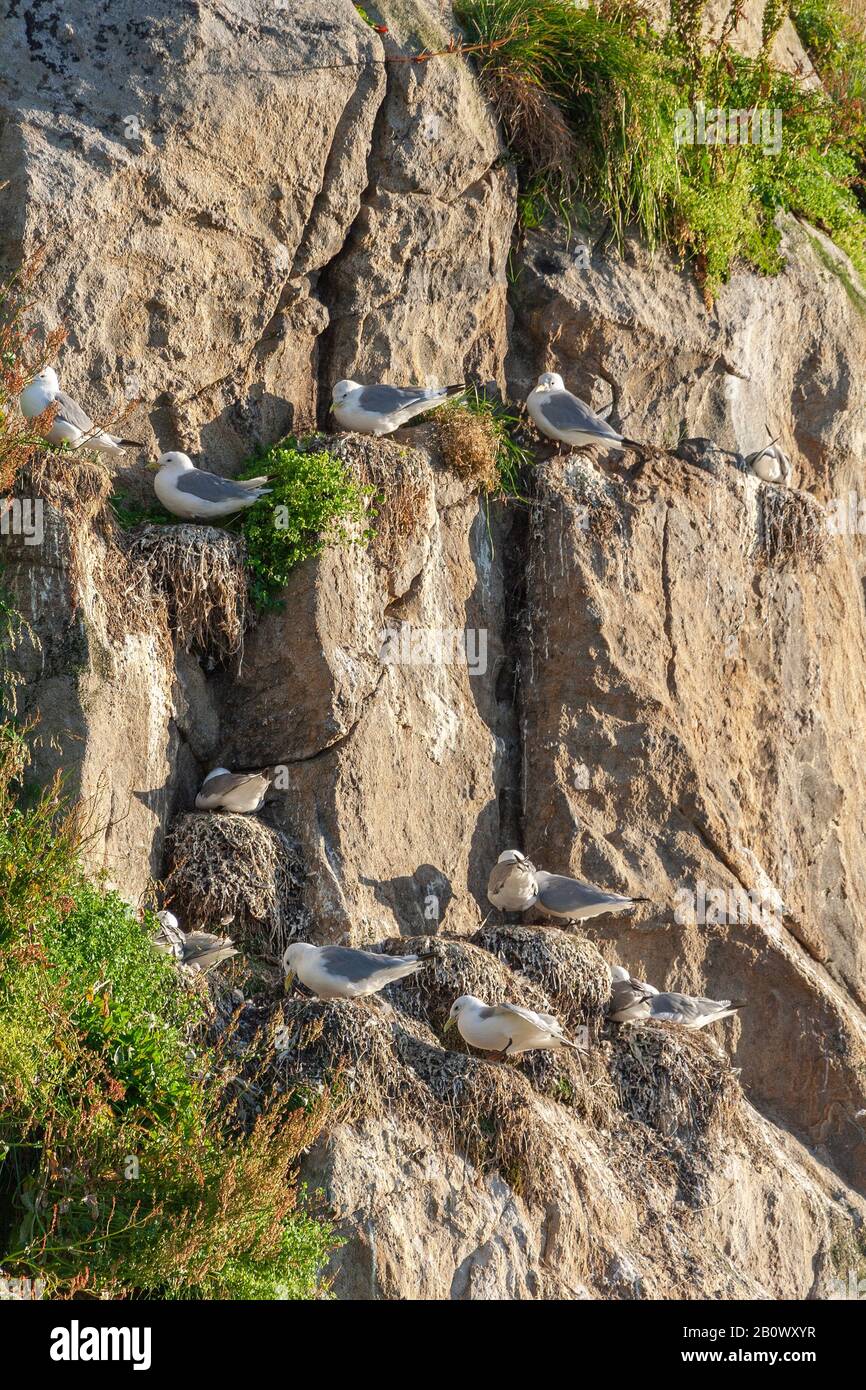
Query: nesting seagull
{"points": [[195, 495], [567, 418], [71, 425], [630, 999], [689, 1011], [515, 884], [512, 885], [337, 972], [222, 790], [200, 950], [771, 464], [506, 1028], [382, 409]]}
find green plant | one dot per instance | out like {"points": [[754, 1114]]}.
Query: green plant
{"points": [[314, 501], [478, 440], [131, 513]]}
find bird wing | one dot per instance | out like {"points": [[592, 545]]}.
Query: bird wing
{"points": [[357, 966], [209, 487], [70, 411], [567, 412], [227, 782], [544, 1022], [384, 400], [563, 894]]}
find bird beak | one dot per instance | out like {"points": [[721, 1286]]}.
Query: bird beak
{"points": [[452, 1023], [152, 467], [289, 981]]}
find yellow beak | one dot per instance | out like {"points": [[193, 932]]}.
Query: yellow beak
{"points": [[452, 1023], [152, 467], [289, 981]]}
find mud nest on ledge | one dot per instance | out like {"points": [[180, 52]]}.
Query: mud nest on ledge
{"points": [[200, 572], [236, 871], [791, 526]]}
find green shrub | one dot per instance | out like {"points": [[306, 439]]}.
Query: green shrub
{"points": [[314, 501]]}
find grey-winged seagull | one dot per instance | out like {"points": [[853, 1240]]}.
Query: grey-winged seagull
{"points": [[770, 464], [338, 972], [507, 1028], [630, 999], [71, 425], [195, 495], [512, 885], [222, 790], [690, 1011], [567, 418], [200, 950], [382, 409], [515, 884]]}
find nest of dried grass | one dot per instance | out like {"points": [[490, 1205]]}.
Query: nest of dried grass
{"points": [[534, 126], [791, 526], [236, 871], [77, 486], [470, 445], [200, 572], [571, 971]]}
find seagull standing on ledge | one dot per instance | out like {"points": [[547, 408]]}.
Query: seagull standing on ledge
{"points": [[71, 425], [189, 492], [243, 792], [568, 419], [383, 409], [515, 885], [338, 972]]}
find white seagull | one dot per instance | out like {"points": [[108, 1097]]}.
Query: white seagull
{"points": [[195, 495], [515, 884], [507, 1028], [630, 999], [71, 424], [512, 885], [338, 972], [222, 790], [568, 419], [200, 950], [382, 409], [770, 464], [690, 1011]]}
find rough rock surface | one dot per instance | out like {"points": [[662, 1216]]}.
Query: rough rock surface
{"points": [[243, 209]]}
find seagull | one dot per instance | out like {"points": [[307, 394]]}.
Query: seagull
{"points": [[222, 790], [506, 1028], [515, 884], [200, 950], [566, 418], [691, 1012], [629, 998], [337, 972], [512, 885], [770, 464], [71, 424], [382, 409], [195, 495]]}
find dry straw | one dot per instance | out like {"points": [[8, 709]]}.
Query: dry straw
{"points": [[200, 572]]}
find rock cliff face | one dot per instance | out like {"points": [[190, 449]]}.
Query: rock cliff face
{"points": [[671, 693]]}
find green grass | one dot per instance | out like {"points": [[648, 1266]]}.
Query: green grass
{"points": [[589, 101], [315, 501]]}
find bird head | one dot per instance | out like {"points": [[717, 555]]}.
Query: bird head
{"points": [[292, 957], [465, 1001], [550, 381], [511, 856], [48, 379], [173, 462], [342, 390], [619, 972], [217, 772], [168, 919]]}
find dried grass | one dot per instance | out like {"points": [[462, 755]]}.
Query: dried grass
{"points": [[571, 971], [200, 571], [469, 442], [226, 869], [791, 526], [535, 129]]}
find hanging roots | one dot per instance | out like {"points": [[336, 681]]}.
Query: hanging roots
{"points": [[791, 524], [200, 572], [234, 870]]}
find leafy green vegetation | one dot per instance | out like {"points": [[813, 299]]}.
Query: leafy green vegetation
{"points": [[602, 112], [314, 501]]}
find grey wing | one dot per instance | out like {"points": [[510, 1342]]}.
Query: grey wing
{"points": [[679, 1007], [563, 894], [170, 939], [209, 487], [384, 400], [226, 782], [625, 994], [566, 412], [356, 966], [528, 1015], [70, 410], [499, 875]]}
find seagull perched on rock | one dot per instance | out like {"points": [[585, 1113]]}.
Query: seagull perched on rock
{"points": [[200, 950], [515, 884], [338, 972], [770, 464], [222, 790], [195, 495], [569, 420], [630, 999], [507, 1028], [71, 425], [383, 409], [690, 1011]]}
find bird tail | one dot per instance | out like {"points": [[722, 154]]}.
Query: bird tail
{"points": [[737, 1003], [131, 444], [640, 900], [451, 391], [575, 1046]]}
